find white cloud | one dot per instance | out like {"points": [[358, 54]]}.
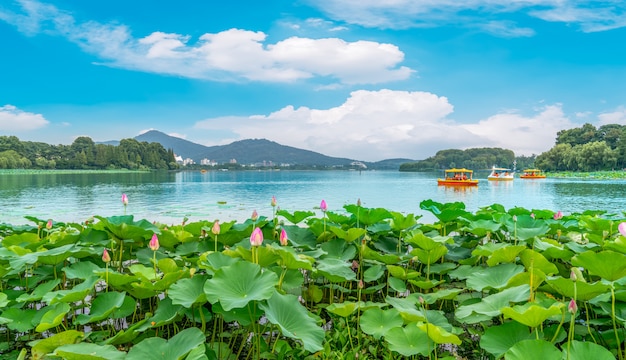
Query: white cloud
{"points": [[589, 15], [615, 117], [230, 55], [377, 125], [14, 119]]}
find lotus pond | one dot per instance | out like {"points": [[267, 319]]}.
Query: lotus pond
{"points": [[367, 283]]}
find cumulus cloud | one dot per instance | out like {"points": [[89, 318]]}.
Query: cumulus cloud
{"points": [[377, 125], [230, 55], [14, 119], [589, 15], [615, 117]]}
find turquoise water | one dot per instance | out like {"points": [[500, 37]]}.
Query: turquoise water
{"points": [[169, 197]]}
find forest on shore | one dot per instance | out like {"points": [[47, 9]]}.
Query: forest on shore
{"points": [[83, 154], [586, 148]]}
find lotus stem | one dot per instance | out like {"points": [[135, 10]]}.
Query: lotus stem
{"points": [[619, 346]]}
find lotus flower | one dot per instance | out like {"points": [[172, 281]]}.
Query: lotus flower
{"points": [[572, 307], [323, 206], [49, 225], [124, 199], [622, 228], [558, 215], [283, 237], [256, 239], [154, 243], [254, 215], [105, 256], [216, 227], [514, 218]]}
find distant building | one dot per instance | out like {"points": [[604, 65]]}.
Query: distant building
{"points": [[208, 162], [183, 162]]}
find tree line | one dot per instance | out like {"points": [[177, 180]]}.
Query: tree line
{"points": [[83, 153], [586, 148]]}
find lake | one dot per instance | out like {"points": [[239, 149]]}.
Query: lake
{"points": [[169, 197]]}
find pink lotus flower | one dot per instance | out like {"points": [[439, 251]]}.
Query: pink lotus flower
{"points": [[558, 215], [622, 228], [283, 237], [572, 307], [154, 243], [532, 215], [256, 239], [254, 215], [273, 202], [124, 199], [105, 256], [323, 206], [216, 227], [49, 225]]}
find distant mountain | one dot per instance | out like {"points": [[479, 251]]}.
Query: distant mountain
{"points": [[251, 151]]}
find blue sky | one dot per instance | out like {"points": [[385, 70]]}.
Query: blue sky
{"points": [[368, 80]]}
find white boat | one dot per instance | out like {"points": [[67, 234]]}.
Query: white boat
{"points": [[501, 174]]}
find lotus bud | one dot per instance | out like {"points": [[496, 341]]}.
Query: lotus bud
{"points": [[254, 215], [572, 307], [216, 227], [622, 228], [358, 202], [124, 199], [105, 256], [154, 243], [323, 206], [558, 215], [361, 285], [273, 202], [283, 237], [256, 239], [514, 218], [49, 225]]}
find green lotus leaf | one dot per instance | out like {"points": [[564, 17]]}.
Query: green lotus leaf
{"points": [[495, 277], [335, 270], [447, 212], [102, 307], [38, 293], [212, 261], [166, 313], [22, 320], [500, 338], [296, 217], [531, 258], [480, 227], [579, 350], [339, 248], [439, 335], [552, 249], [40, 348], [53, 316], [531, 314], [123, 227], [377, 322], [401, 222], [370, 254], [343, 309], [301, 237], [22, 240], [82, 270], [293, 320], [126, 336], [524, 278], [489, 248], [409, 341], [528, 228], [167, 265], [533, 349], [490, 305], [188, 292], [175, 348], [368, 216], [350, 235], [426, 284], [86, 351], [607, 264], [441, 294], [236, 285], [373, 273], [396, 284], [292, 260], [402, 272], [292, 279], [430, 256], [240, 315], [579, 290], [407, 307], [506, 254]]}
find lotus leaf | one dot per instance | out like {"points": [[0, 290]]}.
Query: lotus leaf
{"points": [[439, 335], [577, 290], [579, 350], [378, 322], [368, 216], [350, 235], [335, 270], [22, 320], [236, 285], [402, 272], [177, 347], [53, 315], [293, 320], [532, 315], [165, 314], [490, 306], [495, 277], [607, 264], [102, 307], [296, 217], [188, 292], [340, 249], [40, 348], [373, 273], [506, 254], [499, 339], [85, 351], [409, 341], [407, 307], [533, 349], [533, 259]]}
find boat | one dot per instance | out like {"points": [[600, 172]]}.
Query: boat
{"points": [[532, 174], [458, 177], [501, 174]]}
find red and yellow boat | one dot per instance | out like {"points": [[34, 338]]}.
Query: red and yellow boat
{"points": [[458, 177], [532, 174]]}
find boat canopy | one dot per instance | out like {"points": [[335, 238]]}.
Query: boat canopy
{"points": [[459, 170], [532, 170]]}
